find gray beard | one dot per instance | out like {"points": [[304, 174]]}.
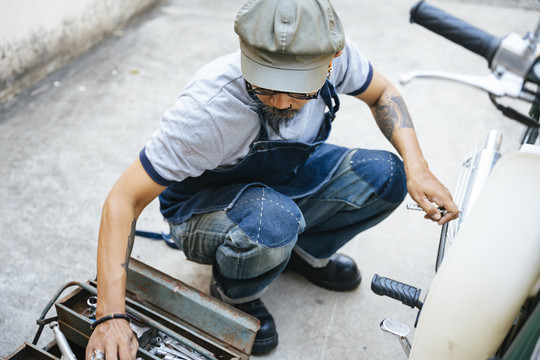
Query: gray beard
{"points": [[274, 117]]}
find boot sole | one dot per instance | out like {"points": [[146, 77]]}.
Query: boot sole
{"points": [[264, 346]]}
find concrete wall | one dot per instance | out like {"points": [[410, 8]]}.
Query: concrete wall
{"points": [[519, 4], [39, 36]]}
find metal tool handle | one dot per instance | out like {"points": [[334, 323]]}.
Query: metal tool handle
{"points": [[456, 30], [407, 294], [62, 343]]}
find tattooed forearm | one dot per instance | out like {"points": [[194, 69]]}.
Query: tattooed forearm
{"points": [[391, 113], [131, 240]]}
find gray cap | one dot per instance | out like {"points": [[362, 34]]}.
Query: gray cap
{"points": [[287, 45]]}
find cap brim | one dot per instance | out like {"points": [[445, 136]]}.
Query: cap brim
{"points": [[298, 81]]}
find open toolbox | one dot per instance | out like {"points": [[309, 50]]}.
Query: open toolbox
{"points": [[160, 307]]}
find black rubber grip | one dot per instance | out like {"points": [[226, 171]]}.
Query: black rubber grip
{"points": [[456, 30], [407, 294]]}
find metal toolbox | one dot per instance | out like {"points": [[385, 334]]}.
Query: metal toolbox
{"points": [[159, 304], [31, 352]]}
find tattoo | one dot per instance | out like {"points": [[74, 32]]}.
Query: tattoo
{"points": [[391, 113], [131, 240]]}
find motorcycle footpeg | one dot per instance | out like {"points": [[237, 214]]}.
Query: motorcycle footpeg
{"points": [[399, 330], [407, 294]]}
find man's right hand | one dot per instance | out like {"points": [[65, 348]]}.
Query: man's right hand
{"points": [[115, 339], [133, 191], [129, 196]]}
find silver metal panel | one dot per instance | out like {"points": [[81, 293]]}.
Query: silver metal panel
{"points": [[198, 309]]}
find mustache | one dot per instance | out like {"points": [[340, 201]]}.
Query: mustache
{"points": [[276, 118], [273, 117], [287, 113]]}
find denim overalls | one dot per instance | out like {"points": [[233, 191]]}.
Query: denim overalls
{"points": [[247, 219], [295, 169]]}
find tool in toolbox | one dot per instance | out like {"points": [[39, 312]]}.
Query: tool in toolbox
{"points": [[62, 343], [172, 321]]}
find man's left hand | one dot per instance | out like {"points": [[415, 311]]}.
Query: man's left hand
{"points": [[431, 195]]}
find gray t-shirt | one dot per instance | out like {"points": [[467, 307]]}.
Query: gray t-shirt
{"points": [[213, 122]]}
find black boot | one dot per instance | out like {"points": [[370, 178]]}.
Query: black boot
{"points": [[340, 274], [267, 337]]}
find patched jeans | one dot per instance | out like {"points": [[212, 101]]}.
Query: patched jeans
{"points": [[250, 244]]}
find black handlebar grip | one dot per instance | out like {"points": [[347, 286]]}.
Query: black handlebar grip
{"points": [[407, 294], [454, 29]]}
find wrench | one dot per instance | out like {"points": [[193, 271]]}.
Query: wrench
{"points": [[163, 350], [179, 347]]}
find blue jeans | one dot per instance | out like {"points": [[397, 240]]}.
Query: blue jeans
{"points": [[250, 244]]}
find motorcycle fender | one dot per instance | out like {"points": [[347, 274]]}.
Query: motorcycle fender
{"points": [[490, 269]]}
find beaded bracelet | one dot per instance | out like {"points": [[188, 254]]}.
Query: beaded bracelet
{"points": [[109, 317]]}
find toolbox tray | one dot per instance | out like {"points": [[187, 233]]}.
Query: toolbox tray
{"points": [[200, 322], [31, 352]]}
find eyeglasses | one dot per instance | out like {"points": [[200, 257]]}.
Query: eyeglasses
{"points": [[268, 92]]}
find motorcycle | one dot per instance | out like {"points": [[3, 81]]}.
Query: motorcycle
{"points": [[483, 302]]}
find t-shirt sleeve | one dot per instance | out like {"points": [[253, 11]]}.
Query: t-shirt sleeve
{"points": [[352, 72], [187, 143]]}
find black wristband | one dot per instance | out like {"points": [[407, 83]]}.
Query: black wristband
{"points": [[109, 317]]}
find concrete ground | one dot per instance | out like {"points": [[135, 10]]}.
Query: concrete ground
{"points": [[64, 142]]}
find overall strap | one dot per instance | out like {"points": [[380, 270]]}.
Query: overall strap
{"points": [[328, 92]]}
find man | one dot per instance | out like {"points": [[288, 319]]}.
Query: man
{"points": [[246, 179]]}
